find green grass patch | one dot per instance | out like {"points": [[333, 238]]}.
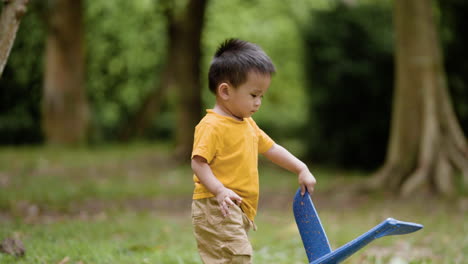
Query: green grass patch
{"points": [[115, 238], [130, 204], [58, 178]]}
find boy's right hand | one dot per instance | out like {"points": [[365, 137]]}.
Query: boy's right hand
{"points": [[227, 198]]}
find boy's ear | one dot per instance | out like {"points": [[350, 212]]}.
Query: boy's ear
{"points": [[224, 90]]}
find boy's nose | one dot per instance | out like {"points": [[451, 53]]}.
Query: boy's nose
{"points": [[258, 102]]}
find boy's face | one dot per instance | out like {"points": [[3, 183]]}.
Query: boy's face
{"points": [[246, 99]]}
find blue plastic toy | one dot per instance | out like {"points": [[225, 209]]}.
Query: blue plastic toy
{"points": [[315, 240]]}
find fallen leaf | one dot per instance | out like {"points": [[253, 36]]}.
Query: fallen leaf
{"points": [[12, 246], [64, 260]]}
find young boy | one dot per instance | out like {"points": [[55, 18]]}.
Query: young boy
{"points": [[225, 154]]}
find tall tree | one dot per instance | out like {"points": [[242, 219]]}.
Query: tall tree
{"points": [[10, 18], [181, 73], [187, 74], [427, 147], [65, 108]]}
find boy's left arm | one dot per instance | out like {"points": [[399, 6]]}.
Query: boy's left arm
{"points": [[283, 158]]}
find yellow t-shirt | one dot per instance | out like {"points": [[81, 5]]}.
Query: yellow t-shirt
{"points": [[231, 148]]}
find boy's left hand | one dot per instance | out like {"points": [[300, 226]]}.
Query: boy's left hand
{"points": [[306, 180]]}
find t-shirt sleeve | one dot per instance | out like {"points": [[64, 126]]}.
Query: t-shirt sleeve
{"points": [[205, 142], [264, 141]]}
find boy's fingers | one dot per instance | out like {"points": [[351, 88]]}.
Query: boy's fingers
{"points": [[228, 200], [303, 189], [225, 204], [237, 200], [224, 208]]}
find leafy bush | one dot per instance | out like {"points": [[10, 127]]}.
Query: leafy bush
{"points": [[124, 54], [126, 49], [348, 67], [126, 45]]}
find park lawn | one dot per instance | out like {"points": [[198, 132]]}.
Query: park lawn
{"points": [[130, 204]]}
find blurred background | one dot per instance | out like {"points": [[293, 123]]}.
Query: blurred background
{"points": [[335, 71], [99, 100]]}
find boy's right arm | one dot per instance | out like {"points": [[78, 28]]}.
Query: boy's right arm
{"points": [[225, 196]]}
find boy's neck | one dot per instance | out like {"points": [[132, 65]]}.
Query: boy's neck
{"points": [[224, 111]]}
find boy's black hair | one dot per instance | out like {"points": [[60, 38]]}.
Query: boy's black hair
{"points": [[234, 59]]}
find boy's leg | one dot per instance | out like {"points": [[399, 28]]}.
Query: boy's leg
{"points": [[221, 239]]}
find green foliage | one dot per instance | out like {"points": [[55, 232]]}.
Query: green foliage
{"points": [[125, 54], [126, 51], [349, 69]]}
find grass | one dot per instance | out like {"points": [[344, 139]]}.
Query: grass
{"points": [[123, 237], [129, 204]]}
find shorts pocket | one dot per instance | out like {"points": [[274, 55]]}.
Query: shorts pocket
{"points": [[239, 252]]}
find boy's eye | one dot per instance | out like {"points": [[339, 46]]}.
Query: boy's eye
{"points": [[253, 95]]}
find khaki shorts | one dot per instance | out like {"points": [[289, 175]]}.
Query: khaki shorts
{"points": [[221, 239]]}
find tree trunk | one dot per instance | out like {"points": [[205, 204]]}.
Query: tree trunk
{"points": [[187, 75], [65, 108], [427, 148], [12, 12], [181, 73]]}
